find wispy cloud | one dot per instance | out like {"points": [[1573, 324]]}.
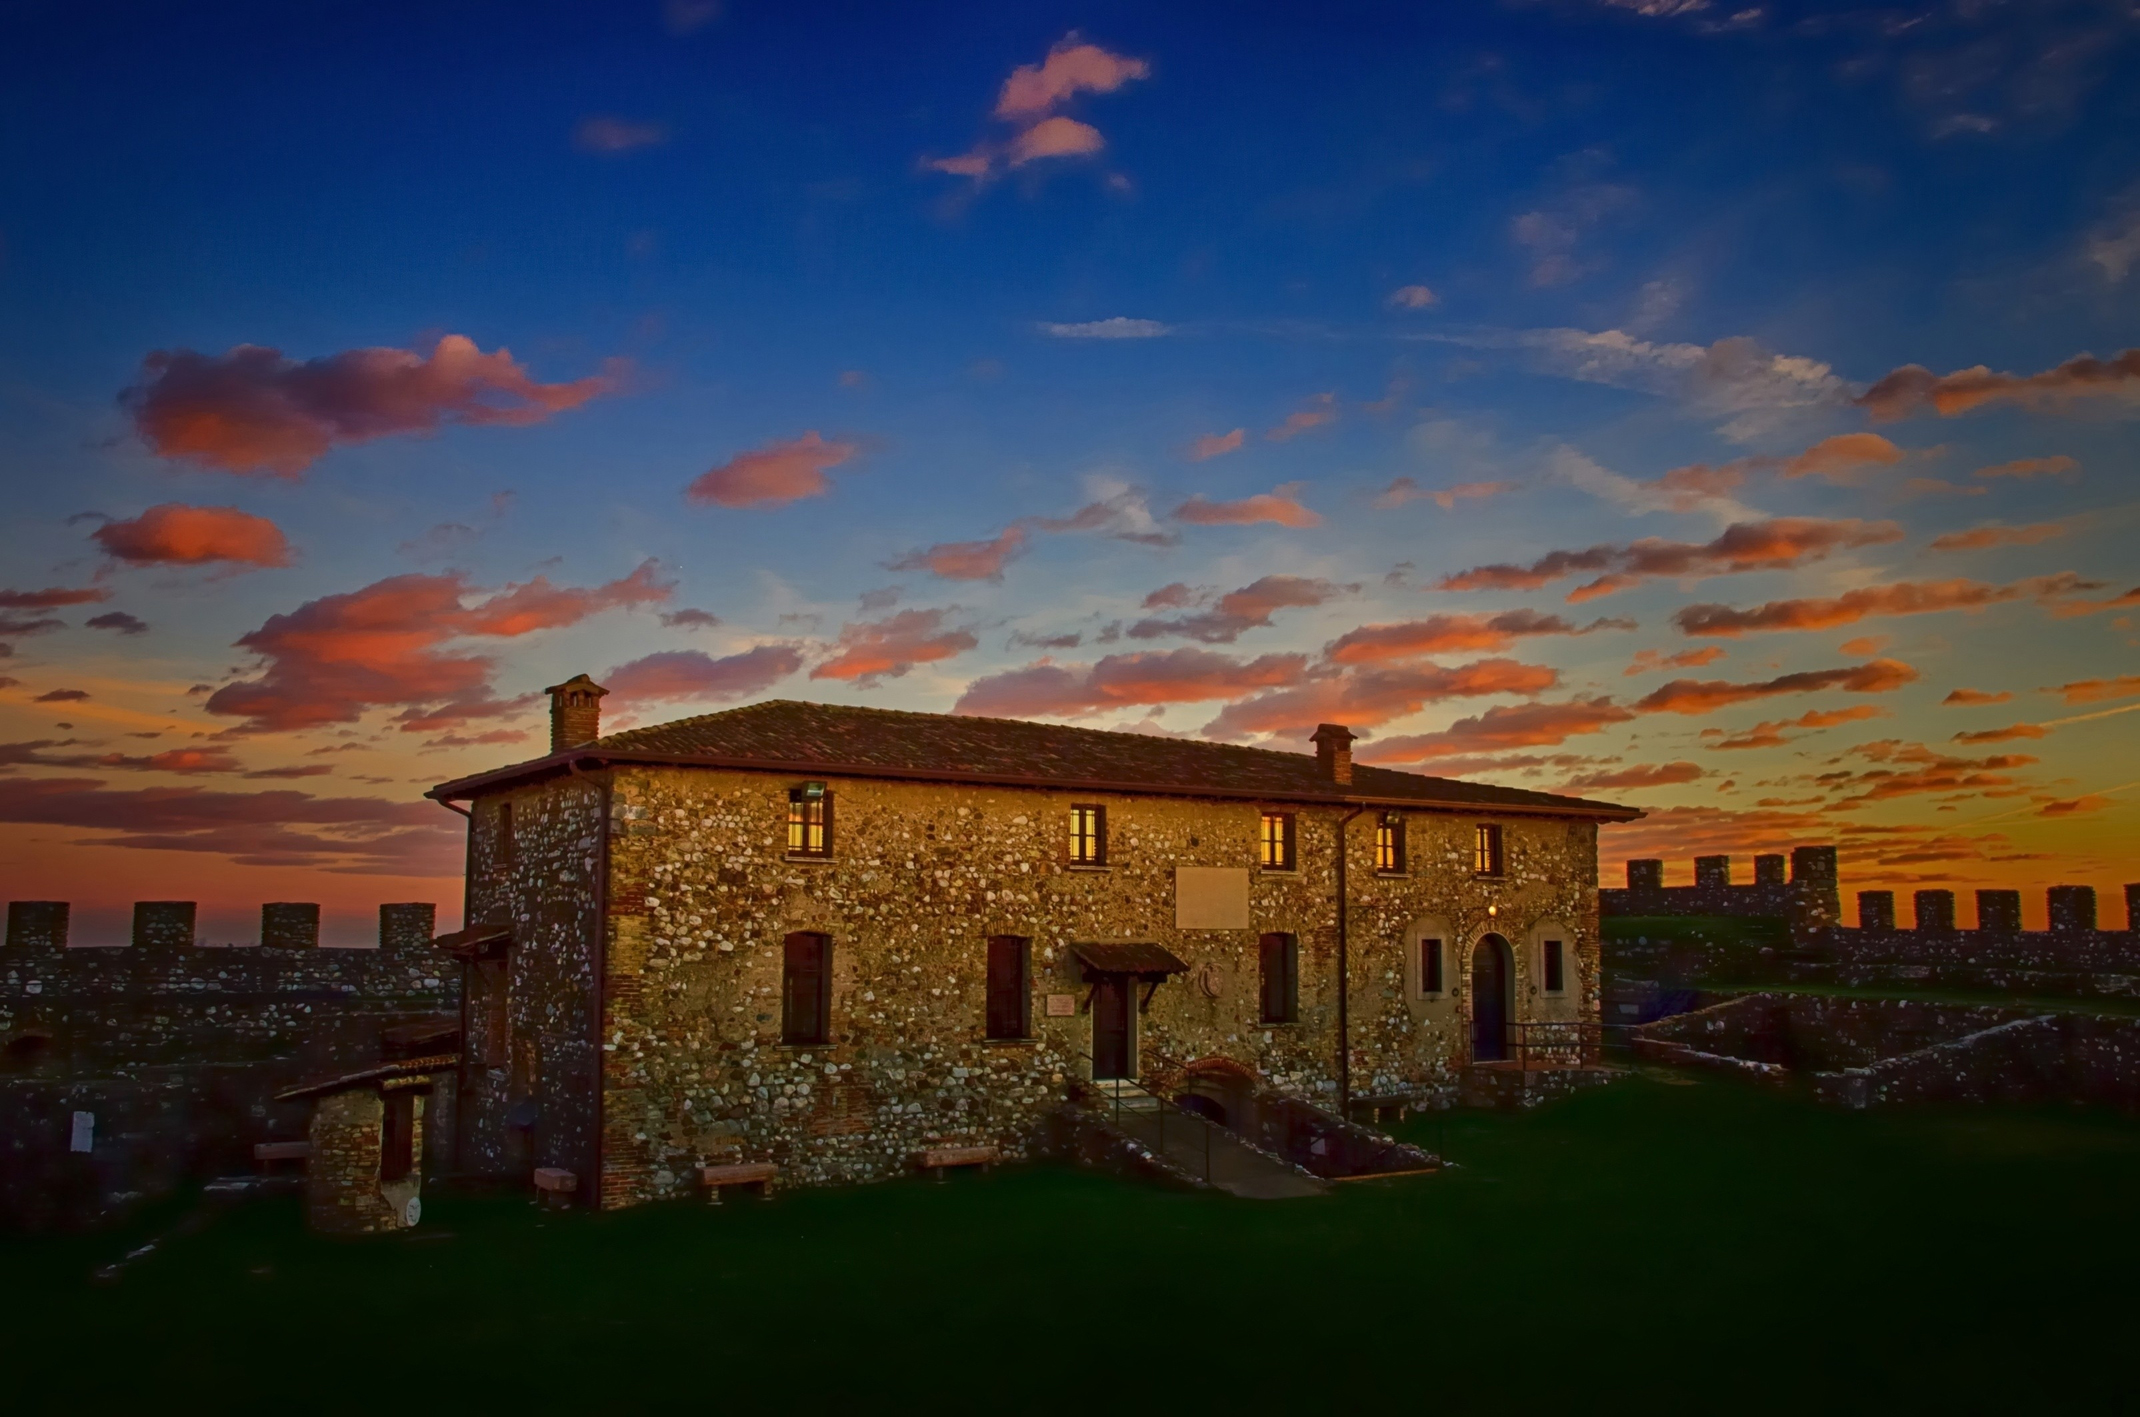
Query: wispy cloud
{"points": [[1113, 327]]}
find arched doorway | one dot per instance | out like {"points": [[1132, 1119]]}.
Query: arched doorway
{"points": [[1492, 980]]}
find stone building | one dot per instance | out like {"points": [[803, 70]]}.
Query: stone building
{"points": [[829, 937], [364, 1172]]}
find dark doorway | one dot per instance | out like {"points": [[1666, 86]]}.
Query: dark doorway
{"points": [[1110, 1027], [1490, 971], [1209, 1108]]}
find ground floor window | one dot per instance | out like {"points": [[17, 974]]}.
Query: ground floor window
{"points": [[397, 1136], [1280, 967], [1010, 989], [1430, 966], [806, 989]]}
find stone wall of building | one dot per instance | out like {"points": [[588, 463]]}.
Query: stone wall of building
{"points": [[700, 896], [530, 1095], [1808, 897], [177, 1050], [344, 1193]]}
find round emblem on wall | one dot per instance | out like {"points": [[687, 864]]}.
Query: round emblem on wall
{"points": [[412, 1210], [1209, 981]]}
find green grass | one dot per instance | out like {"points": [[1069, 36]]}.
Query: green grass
{"points": [[1680, 1245]]}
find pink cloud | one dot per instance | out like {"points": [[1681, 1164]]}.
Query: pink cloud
{"points": [[1055, 137], [1629, 779], [1699, 696], [1780, 543], [1369, 695], [966, 560], [772, 476], [1320, 410], [693, 674], [1279, 506], [1984, 537], [1046, 689], [1237, 611], [1914, 388], [253, 411], [173, 534], [872, 650], [1901, 598], [1213, 445], [1447, 634], [1405, 489], [2025, 468], [1072, 67], [1500, 728], [51, 597]]}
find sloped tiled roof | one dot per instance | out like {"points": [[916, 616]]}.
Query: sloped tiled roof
{"points": [[790, 735]]}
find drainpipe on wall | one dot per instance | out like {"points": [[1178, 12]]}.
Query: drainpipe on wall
{"points": [[591, 1193], [460, 1069], [1344, 977]]}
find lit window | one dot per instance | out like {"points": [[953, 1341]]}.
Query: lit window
{"points": [[809, 822], [1487, 860], [1276, 841], [1389, 846], [1088, 836]]}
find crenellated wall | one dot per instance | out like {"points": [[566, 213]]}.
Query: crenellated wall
{"points": [[1808, 898], [177, 1050]]}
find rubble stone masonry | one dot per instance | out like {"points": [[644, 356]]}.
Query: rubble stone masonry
{"points": [[700, 894]]}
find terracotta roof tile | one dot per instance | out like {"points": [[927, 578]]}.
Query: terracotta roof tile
{"points": [[834, 738]]}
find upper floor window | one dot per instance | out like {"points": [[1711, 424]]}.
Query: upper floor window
{"points": [[1389, 845], [1487, 858], [1010, 987], [806, 989], [810, 821], [1275, 841], [1088, 836], [1555, 968], [508, 846], [1279, 967]]}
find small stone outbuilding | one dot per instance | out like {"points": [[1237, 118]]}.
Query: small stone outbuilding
{"points": [[364, 1174], [831, 939]]}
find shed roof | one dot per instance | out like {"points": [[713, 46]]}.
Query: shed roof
{"points": [[788, 735], [373, 1077]]}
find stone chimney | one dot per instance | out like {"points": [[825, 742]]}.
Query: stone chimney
{"points": [[575, 712], [1333, 752]]}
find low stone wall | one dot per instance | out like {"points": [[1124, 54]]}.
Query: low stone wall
{"points": [[1880, 1052]]}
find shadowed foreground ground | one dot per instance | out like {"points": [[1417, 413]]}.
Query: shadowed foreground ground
{"points": [[1668, 1245]]}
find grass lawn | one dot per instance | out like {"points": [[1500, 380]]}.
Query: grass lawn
{"points": [[1664, 1243]]}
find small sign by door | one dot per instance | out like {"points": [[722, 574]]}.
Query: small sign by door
{"points": [[84, 1135], [1062, 1006]]}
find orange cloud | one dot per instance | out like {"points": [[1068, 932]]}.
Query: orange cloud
{"points": [[2004, 735], [1914, 388], [1902, 598], [1028, 103], [2075, 807], [253, 411], [2094, 691], [1770, 734], [1649, 659], [1629, 779], [772, 476], [873, 650], [693, 674], [1404, 490], [1412, 297], [1046, 689], [51, 597], [1500, 728], [1968, 698], [1213, 445], [390, 643], [1777, 544], [1366, 696], [1698, 696], [1248, 608], [173, 534], [1836, 458], [2030, 467], [965, 560], [1055, 137], [1865, 645], [1280, 506], [1449, 634], [1319, 410], [1982, 537]]}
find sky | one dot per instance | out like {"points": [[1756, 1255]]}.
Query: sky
{"points": [[1727, 409]]}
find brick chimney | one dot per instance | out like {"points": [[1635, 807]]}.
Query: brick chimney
{"points": [[1333, 752], [575, 712]]}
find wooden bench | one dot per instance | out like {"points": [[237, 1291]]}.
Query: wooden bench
{"points": [[938, 1158], [743, 1173], [267, 1153], [556, 1185]]}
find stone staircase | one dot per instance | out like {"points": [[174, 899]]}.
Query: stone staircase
{"points": [[1206, 1152]]}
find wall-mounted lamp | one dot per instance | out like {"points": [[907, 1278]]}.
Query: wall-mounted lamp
{"points": [[813, 791], [1493, 910], [1391, 819]]}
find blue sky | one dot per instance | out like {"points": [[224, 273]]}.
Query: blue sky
{"points": [[1548, 253]]}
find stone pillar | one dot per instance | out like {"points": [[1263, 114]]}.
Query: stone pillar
{"points": [[1876, 910], [1999, 912], [163, 924], [42, 924], [290, 925], [2072, 907], [1645, 875], [1768, 870], [1712, 870], [1813, 865], [407, 926], [1935, 911]]}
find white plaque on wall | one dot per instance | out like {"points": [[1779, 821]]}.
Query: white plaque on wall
{"points": [[84, 1136], [1211, 897], [1062, 1005]]}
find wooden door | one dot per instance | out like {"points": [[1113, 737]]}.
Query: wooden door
{"points": [[1489, 1000], [1110, 1028]]}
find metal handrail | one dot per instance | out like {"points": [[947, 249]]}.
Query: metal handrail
{"points": [[1165, 1106], [1583, 1036]]}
